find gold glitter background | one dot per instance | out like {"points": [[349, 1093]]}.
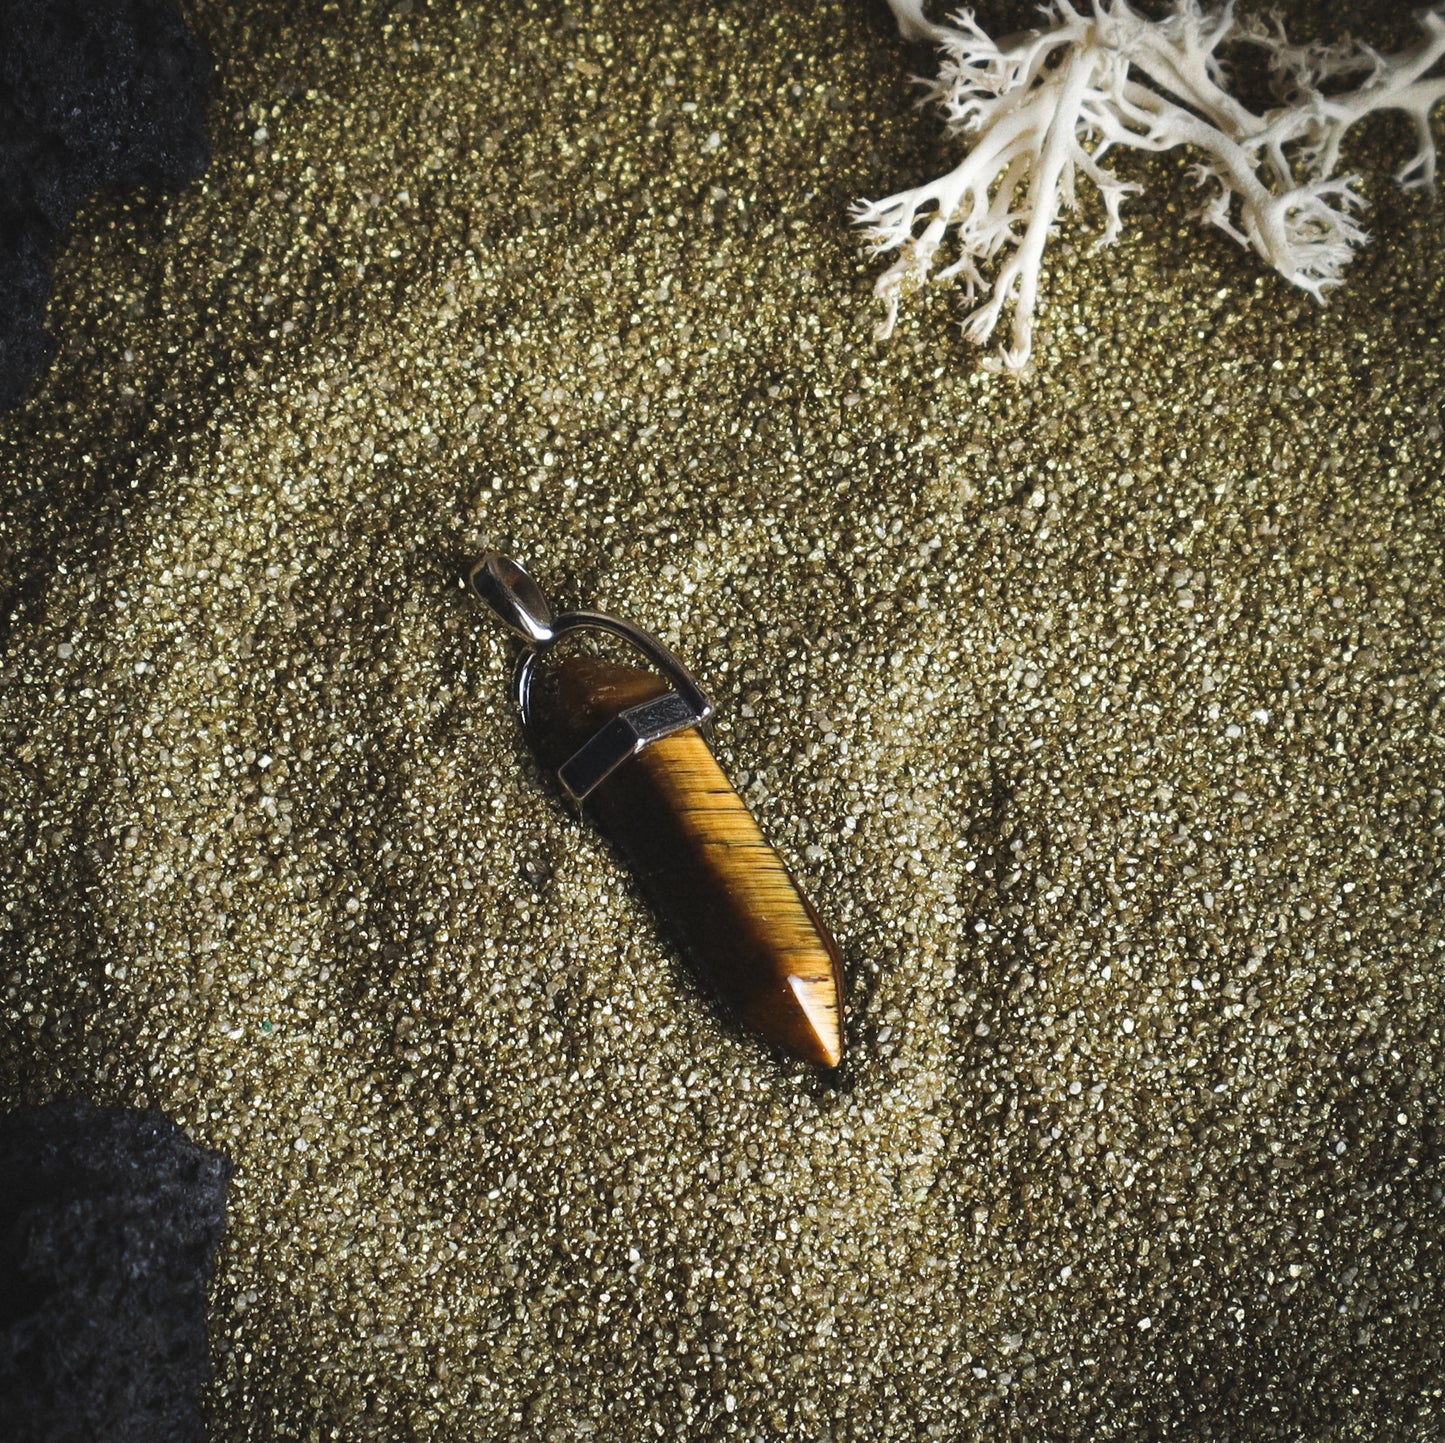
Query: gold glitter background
{"points": [[1099, 710]]}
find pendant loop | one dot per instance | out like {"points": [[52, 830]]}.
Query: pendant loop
{"points": [[521, 606], [517, 600]]}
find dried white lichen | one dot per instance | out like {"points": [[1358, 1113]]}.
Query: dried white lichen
{"points": [[1041, 109]]}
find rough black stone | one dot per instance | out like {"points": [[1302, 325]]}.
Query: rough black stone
{"points": [[94, 94], [109, 1221]]}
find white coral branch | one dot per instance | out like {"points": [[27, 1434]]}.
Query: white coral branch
{"points": [[1045, 107]]}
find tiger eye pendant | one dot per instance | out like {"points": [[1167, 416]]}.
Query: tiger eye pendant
{"points": [[626, 746]]}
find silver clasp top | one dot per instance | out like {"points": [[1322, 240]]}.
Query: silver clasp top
{"points": [[520, 604], [517, 599]]}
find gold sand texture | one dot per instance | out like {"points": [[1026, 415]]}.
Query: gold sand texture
{"points": [[1099, 711]]}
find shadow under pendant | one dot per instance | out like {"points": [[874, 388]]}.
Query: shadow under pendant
{"points": [[627, 746]]}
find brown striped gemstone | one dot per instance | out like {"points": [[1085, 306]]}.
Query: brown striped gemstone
{"points": [[700, 859]]}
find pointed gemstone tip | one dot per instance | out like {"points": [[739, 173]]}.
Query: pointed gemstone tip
{"points": [[818, 998]]}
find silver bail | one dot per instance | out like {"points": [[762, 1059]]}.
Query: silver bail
{"points": [[517, 600], [519, 604]]}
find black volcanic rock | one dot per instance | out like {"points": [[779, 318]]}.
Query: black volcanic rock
{"points": [[94, 94], [109, 1221]]}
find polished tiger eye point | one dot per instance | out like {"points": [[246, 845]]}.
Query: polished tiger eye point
{"points": [[700, 859]]}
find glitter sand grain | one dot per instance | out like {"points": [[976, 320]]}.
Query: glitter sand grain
{"points": [[1098, 710]]}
